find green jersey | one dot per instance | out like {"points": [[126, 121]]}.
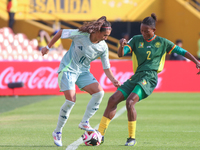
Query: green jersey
{"points": [[149, 54]]}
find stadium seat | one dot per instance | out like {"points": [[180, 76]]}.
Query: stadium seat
{"points": [[9, 49], [15, 42], [19, 49], [10, 38], [1, 57], [5, 43], [34, 43], [20, 37], [7, 31], [10, 58], [1, 38], [20, 57], [30, 57], [25, 43], [29, 49]]}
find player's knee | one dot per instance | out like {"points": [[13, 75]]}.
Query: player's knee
{"points": [[98, 97], [112, 102], [130, 103]]}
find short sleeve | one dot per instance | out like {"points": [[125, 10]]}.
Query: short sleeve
{"points": [[169, 46], [130, 44]]}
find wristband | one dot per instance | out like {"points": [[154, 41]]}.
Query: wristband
{"points": [[47, 47]]}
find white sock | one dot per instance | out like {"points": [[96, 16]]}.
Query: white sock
{"points": [[64, 114], [93, 105]]}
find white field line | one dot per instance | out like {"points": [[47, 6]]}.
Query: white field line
{"points": [[78, 142]]}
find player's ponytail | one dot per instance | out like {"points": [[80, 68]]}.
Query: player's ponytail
{"points": [[99, 25], [150, 21]]}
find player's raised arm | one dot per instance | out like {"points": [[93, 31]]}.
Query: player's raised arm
{"points": [[120, 51], [45, 50]]}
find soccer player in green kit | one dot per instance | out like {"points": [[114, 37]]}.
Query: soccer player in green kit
{"points": [[148, 56]]}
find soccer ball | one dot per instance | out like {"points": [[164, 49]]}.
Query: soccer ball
{"points": [[92, 138]]}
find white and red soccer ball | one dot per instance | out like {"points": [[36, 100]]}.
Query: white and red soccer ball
{"points": [[92, 138]]}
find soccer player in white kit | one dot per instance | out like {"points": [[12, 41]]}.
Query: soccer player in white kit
{"points": [[88, 43]]}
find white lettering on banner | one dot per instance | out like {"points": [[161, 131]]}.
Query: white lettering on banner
{"points": [[40, 81], [121, 76], [43, 77]]}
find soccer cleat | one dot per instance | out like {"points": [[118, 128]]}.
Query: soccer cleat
{"points": [[57, 138], [102, 139], [86, 126], [130, 142]]}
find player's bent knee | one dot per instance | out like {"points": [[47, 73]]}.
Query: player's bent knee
{"points": [[112, 101], [98, 96], [130, 103]]}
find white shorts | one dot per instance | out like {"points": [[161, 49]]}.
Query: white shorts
{"points": [[67, 80]]}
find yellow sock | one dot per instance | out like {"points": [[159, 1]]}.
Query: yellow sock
{"points": [[103, 125], [131, 129]]}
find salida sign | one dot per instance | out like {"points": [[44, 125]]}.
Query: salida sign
{"points": [[40, 78], [60, 6]]}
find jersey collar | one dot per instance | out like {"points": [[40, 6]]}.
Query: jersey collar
{"points": [[151, 39]]}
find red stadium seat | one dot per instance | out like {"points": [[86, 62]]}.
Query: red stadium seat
{"points": [[10, 58], [1, 57], [10, 38], [29, 48], [1, 38], [19, 49], [7, 31], [20, 57], [34, 43], [15, 43], [9, 49], [5, 43], [25, 43]]}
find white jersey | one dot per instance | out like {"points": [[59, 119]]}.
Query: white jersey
{"points": [[82, 52]]}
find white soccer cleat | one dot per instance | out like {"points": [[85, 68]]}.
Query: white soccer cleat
{"points": [[86, 126], [57, 137]]}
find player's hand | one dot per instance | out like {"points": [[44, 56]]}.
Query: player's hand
{"points": [[116, 83], [198, 67], [123, 42], [44, 51]]}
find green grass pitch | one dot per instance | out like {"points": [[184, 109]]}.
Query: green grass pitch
{"points": [[165, 121]]}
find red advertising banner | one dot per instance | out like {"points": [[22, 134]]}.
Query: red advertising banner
{"points": [[40, 78]]}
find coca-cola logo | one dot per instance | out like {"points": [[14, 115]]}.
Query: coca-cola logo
{"points": [[120, 76], [42, 77]]}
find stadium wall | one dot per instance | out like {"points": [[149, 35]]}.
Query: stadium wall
{"points": [[179, 23]]}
